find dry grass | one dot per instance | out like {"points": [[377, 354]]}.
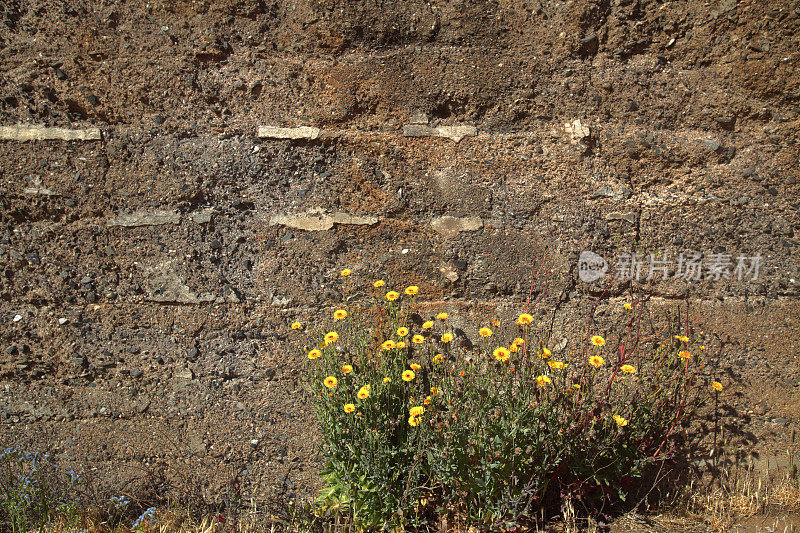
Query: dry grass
{"points": [[767, 499], [746, 492]]}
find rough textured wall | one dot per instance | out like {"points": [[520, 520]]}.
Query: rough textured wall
{"points": [[149, 278]]}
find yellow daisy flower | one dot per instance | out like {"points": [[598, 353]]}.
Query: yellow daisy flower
{"points": [[717, 386], [347, 369], [387, 380], [392, 295], [513, 348], [408, 375], [501, 354], [378, 284], [415, 366], [331, 382], [524, 319], [417, 339], [682, 338], [442, 316], [427, 400], [412, 290], [349, 408], [542, 381], [402, 332], [518, 341], [297, 325], [346, 272], [413, 421], [438, 358], [627, 306], [363, 392], [331, 337], [596, 361], [546, 353], [313, 354], [428, 324], [628, 369], [597, 340], [484, 332], [684, 354], [388, 345], [401, 345], [339, 314], [416, 410], [620, 421], [447, 338], [556, 365]]}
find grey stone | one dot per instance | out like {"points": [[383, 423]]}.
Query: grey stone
{"points": [[185, 373], [146, 218], [36, 188], [576, 131], [449, 272], [281, 301], [30, 132], [419, 118], [748, 172], [726, 122], [455, 133], [318, 220], [196, 445], [303, 132], [629, 217], [202, 216], [166, 286], [17, 259], [448, 227], [604, 192], [419, 130]]}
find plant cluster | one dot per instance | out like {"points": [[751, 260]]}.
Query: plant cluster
{"points": [[420, 423], [34, 493], [26, 495]]}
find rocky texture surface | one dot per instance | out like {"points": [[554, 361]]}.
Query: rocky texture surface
{"points": [[148, 279]]}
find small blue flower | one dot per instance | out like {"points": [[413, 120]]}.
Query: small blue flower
{"points": [[149, 516]]}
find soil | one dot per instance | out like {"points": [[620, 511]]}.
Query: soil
{"points": [[157, 346]]}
